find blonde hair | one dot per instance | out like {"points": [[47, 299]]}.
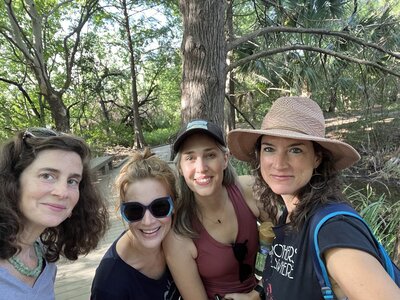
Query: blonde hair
{"points": [[141, 165]]}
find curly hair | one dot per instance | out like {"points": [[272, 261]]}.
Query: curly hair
{"points": [[78, 234], [324, 186], [187, 211], [141, 165]]}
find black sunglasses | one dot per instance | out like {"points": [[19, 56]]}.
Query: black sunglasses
{"points": [[240, 252], [40, 132], [159, 208]]}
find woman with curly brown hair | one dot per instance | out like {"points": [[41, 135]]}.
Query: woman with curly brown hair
{"points": [[49, 207]]}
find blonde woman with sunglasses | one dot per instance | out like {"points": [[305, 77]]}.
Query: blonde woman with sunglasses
{"points": [[134, 267], [49, 206]]}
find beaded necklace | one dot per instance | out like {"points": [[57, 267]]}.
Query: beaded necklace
{"points": [[23, 269]]}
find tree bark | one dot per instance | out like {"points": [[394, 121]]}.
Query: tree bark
{"points": [[230, 111], [204, 60]]}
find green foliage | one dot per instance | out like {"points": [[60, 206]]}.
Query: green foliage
{"points": [[104, 134], [160, 136], [99, 98], [241, 167], [382, 215], [339, 84]]}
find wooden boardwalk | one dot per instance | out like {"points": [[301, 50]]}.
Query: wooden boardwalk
{"points": [[74, 279]]}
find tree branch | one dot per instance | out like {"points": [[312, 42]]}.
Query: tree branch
{"points": [[235, 43], [88, 11], [239, 111], [17, 32], [33, 52], [24, 93], [313, 49]]}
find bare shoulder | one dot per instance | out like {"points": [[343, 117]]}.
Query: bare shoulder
{"points": [[246, 180], [175, 243], [246, 183]]}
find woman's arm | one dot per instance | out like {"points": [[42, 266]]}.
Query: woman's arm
{"points": [[245, 183], [180, 253], [359, 275]]}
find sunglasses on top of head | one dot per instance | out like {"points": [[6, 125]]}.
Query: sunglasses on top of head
{"points": [[159, 208], [39, 132]]}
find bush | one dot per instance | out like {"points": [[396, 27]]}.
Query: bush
{"points": [[382, 215]]}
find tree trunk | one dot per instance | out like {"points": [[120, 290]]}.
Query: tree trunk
{"points": [[230, 110], [59, 112], [137, 125], [204, 60]]}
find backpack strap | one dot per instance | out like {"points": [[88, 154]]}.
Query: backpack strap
{"points": [[322, 215]]}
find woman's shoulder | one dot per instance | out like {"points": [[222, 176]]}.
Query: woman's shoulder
{"points": [[245, 184], [178, 247], [176, 241]]}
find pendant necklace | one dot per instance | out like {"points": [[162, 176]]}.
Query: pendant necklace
{"points": [[219, 220], [24, 269]]}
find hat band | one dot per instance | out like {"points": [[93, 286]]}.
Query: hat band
{"points": [[294, 130]]}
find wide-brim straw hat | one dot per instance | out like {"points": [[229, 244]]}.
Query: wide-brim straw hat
{"points": [[295, 118]]}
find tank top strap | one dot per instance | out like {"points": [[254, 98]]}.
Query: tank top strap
{"points": [[245, 216]]}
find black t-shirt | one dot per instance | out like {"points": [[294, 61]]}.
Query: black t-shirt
{"points": [[289, 273], [115, 279]]}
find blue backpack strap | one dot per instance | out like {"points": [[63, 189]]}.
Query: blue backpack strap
{"points": [[322, 215]]}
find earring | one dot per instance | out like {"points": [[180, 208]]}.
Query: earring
{"points": [[318, 180]]}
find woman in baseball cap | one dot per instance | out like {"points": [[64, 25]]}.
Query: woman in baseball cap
{"points": [[297, 174], [212, 248]]}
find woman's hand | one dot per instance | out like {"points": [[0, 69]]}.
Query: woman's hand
{"points": [[253, 295]]}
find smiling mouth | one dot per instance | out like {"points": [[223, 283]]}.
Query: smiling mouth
{"points": [[281, 177], [55, 206], [151, 231], [203, 180]]}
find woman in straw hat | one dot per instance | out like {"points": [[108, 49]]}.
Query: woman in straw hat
{"points": [[296, 169]]}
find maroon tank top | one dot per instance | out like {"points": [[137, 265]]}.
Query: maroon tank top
{"points": [[217, 265]]}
